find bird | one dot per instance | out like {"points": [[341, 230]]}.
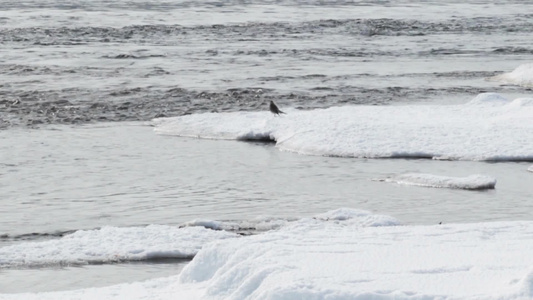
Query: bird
{"points": [[274, 109]]}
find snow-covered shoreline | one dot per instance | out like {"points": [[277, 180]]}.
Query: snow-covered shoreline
{"points": [[347, 254]]}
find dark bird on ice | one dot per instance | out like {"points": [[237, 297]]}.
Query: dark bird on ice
{"points": [[274, 109]]}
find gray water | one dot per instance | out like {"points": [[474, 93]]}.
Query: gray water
{"points": [[78, 82], [125, 175], [68, 62]]}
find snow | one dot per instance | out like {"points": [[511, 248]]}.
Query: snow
{"points": [[489, 127], [111, 244], [348, 254], [522, 76], [471, 182], [530, 169]]}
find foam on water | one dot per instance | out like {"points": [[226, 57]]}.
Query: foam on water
{"points": [[111, 244], [487, 128], [472, 182], [522, 76], [340, 255]]}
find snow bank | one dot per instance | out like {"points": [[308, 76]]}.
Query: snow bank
{"points": [[487, 128], [341, 255], [522, 76], [472, 182], [313, 259], [111, 244]]}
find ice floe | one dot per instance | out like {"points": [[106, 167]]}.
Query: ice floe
{"points": [[111, 244], [472, 182], [489, 127], [522, 76], [347, 254]]}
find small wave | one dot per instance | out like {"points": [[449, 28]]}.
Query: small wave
{"points": [[35, 236], [522, 76], [309, 54], [472, 182], [443, 51], [242, 227], [132, 56], [466, 74], [57, 43], [513, 50]]}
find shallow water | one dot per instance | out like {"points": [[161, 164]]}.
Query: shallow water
{"points": [[72, 72], [125, 175], [75, 277]]}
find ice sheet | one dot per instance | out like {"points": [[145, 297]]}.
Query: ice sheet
{"points": [[489, 127]]}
